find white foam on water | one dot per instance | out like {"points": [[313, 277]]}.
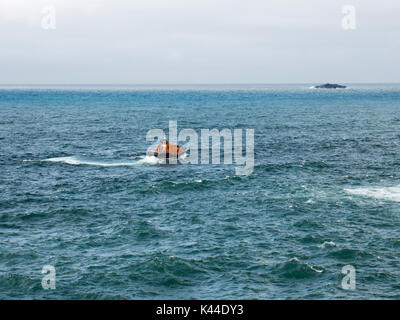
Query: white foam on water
{"points": [[75, 161], [385, 193], [154, 160], [150, 160], [327, 244]]}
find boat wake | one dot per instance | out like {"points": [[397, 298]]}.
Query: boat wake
{"points": [[73, 160], [385, 193]]}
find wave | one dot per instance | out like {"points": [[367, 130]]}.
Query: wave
{"points": [[347, 254], [295, 269], [385, 193], [327, 244], [73, 160]]}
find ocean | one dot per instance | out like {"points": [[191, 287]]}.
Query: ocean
{"points": [[77, 193]]}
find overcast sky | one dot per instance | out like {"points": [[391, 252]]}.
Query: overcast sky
{"points": [[199, 41]]}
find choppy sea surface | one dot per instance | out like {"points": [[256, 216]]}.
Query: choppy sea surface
{"points": [[77, 193]]}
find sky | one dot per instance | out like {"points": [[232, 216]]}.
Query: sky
{"points": [[198, 41]]}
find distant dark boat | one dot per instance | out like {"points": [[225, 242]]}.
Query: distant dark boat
{"points": [[330, 86]]}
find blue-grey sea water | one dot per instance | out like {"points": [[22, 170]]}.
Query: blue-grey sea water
{"points": [[76, 193]]}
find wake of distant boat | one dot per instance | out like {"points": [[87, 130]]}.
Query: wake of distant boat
{"points": [[74, 160]]}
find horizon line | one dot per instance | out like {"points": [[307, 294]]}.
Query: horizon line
{"points": [[184, 84]]}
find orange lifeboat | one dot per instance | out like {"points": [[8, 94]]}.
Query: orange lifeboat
{"points": [[167, 150]]}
